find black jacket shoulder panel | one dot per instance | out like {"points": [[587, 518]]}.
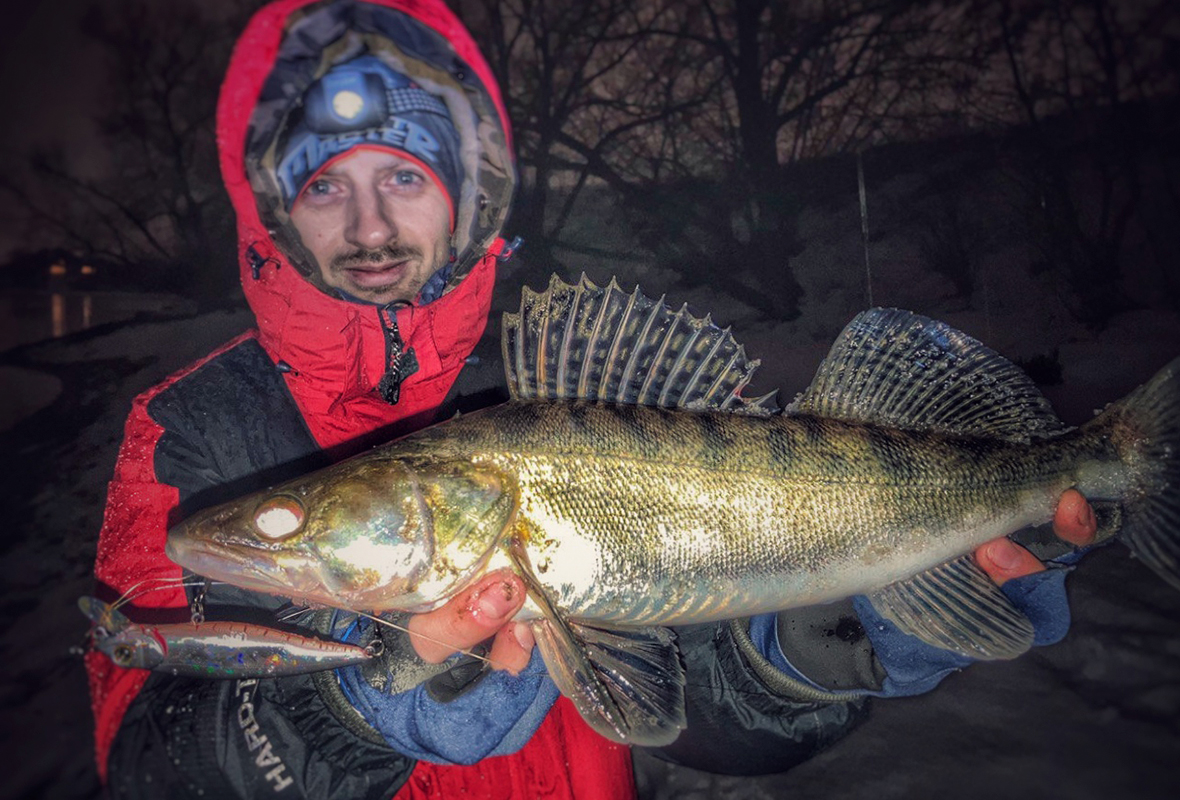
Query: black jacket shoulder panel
{"points": [[231, 426]]}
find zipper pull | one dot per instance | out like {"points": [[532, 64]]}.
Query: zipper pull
{"points": [[400, 361]]}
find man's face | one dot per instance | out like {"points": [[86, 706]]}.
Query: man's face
{"points": [[377, 225]]}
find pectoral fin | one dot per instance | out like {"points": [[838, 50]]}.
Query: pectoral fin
{"points": [[627, 684], [957, 607]]}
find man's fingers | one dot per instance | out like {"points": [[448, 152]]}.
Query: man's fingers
{"points": [[1074, 520], [1004, 560], [470, 617], [512, 647]]}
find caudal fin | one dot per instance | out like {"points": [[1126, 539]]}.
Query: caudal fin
{"points": [[1149, 424]]}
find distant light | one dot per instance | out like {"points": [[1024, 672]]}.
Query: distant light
{"points": [[58, 314], [88, 270], [57, 268]]}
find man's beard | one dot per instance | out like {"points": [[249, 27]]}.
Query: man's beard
{"points": [[407, 257]]}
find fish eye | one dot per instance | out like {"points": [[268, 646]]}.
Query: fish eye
{"points": [[122, 654], [278, 517]]}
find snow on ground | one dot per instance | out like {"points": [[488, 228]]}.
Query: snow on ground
{"points": [[37, 391], [1096, 716]]}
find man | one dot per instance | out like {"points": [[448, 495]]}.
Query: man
{"points": [[361, 334], [366, 151]]}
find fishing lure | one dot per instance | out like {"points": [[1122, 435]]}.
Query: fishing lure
{"points": [[214, 649]]}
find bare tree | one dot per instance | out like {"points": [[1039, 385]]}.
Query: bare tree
{"points": [[691, 113], [1076, 81], [157, 204], [595, 98], [797, 81]]}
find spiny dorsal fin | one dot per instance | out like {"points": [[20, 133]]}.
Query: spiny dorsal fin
{"points": [[957, 607], [897, 368], [593, 343]]}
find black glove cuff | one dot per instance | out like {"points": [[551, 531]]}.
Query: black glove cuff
{"points": [[775, 680]]}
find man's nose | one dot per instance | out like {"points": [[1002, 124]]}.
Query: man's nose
{"points": [[371, 223]]}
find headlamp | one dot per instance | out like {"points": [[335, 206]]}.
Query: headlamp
{"points": [[345, 100]]}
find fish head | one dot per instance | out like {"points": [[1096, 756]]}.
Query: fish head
{"points": [[375, 533], [132, 648]]}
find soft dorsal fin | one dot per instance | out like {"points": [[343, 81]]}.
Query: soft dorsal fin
{"points": [[897, 368], [592, 343]]}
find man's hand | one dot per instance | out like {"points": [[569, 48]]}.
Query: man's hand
{"points": [[459, 711], [480, 611], [1003, 559]]}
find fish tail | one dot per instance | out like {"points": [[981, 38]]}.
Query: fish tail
{"points": [[1146, 431]]}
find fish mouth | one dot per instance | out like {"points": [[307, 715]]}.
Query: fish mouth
{"points": [[258, 570], [289, 574]]}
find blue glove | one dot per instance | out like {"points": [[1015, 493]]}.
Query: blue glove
{"points": [[496, 716], [913, 667]]}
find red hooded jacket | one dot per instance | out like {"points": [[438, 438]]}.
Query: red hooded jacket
{"points": [[331, 355]]}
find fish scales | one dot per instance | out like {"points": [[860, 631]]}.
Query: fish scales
{"points": [[712, 513]]}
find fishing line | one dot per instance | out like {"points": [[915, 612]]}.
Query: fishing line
{"points": [[130, 593], [133, 592], [295, 614], [431, 639]]}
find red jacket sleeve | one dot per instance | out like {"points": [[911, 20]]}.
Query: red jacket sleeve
{"points": [[131, 556]]}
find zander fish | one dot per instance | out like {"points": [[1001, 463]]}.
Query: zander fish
{"points": [[632, 487]]}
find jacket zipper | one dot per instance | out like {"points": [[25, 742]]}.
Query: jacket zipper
{"points": [[400, 361]]}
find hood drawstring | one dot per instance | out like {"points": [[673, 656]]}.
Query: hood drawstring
{"points": [[510, 249], [257, 262], [400, 361]]}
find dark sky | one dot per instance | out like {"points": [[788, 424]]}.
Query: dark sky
{"points": [[48, 74], [49, 84]]}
